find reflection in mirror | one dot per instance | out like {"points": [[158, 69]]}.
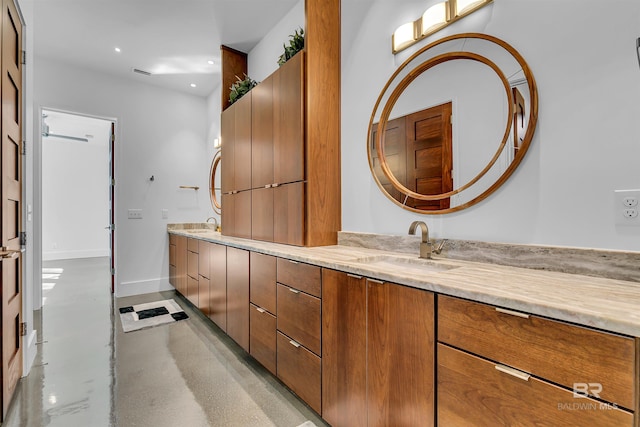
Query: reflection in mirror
{"points": [[214, 177], [456, 119]]}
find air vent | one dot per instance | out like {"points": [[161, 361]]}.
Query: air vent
{"points": [[144, 73]]}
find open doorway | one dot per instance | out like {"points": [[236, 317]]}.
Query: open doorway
{"points": [[77, 188]]}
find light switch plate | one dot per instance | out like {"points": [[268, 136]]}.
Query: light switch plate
{"points": [[165, 213], [134, 214]]}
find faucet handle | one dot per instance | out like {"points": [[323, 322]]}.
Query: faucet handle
{"points": [[439, 247]]}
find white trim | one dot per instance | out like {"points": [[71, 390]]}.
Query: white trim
{"points": [[89, 253], [139, 287]]}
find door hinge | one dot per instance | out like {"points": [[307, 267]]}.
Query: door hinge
{"points": [[113, 182], [23, 238], [24, 148], [23, 329], [113, 271], [24, 57]]}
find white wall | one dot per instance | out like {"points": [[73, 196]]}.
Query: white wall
{"points": [[75, 195], [159, 132], [586, 146], [263, 58]]}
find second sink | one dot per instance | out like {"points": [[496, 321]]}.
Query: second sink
{"points": [[415, 264]]}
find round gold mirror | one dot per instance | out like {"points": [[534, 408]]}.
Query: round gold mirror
{"points": [[213, 189], [452, 123]]}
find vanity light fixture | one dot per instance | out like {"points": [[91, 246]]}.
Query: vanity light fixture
{"points": [[216, 143], [435, 18]]}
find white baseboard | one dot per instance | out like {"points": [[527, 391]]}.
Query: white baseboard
{"points": [[87, 253], [140, 287], [30, 352]]}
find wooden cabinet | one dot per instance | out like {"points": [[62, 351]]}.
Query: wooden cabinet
{"points": [[378, 352], [181, 264], [298, 317], [218, 285], [204, 273], [192, 271], [294, 197], [562, 353], [238, 296], [172, 260], [262, 322], [525, 367], [472, 391]]}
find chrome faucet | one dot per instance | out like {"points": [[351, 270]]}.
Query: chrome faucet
{"points": [[426, 247]]}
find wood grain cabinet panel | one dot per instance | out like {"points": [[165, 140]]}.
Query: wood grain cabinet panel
{"points": [[262, 215], [181, 265], [192, 264], [238, 296], [204, 264], [262, 279], [400, 356], [218, 285], [193, 245], [203, 295], [262, 337], [304, 277], [289, 214], [262, 133], [192, 290], [562, 353], [344, 343], [472, 392], [242, 143], [299, 317], [301, 370]]}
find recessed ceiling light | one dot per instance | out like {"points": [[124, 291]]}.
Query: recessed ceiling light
{"points": [[210, 62], [117, 49], [192, 85]]}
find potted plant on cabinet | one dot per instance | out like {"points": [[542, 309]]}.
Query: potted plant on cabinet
{"points": [[240, 88], [296, 44]]}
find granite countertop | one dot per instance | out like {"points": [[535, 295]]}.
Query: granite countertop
{"points": [[608, 304]]}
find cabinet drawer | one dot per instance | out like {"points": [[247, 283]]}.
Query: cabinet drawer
{"points": [[192, 264], [300, 369], [262, 337], [299, 317], [562, 353], [203, 258], [473, 392], [192, 290], [193, 244], [300, 276], [172, 255], [203, 295], [263, 281]]}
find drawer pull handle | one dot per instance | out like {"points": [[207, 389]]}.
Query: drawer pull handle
{"points": [[260, 310], [295, 291], [513, 372], [293, 262], [512, 313], [354, 276], [293, 343], [378, 282]]}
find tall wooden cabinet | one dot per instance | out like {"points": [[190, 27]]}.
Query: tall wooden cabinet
{"points": [[281, 208]]}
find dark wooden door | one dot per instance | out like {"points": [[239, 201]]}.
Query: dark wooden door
{"points": [[429, 155], [11, 134]]}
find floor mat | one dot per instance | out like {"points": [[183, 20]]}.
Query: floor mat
{"points": [[140, 316]]}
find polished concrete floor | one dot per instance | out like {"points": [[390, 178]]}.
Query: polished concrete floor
{"points": [[188, 373]]}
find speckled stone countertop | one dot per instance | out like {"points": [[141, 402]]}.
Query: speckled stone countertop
{"points": [[608, 304]]}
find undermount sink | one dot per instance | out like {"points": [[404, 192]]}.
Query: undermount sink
{"points": [[201, 230], [419, 265]]}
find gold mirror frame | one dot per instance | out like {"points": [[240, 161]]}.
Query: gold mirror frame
{"points": [[416, 72], [215, 203]]}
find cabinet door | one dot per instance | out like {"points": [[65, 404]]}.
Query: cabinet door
{"points": [[203, 295], [475, 392], [263, 281], [242, 143], [227, 218], [400, 355], [344, 343], [203, 258], [181, 265], [262, 341], [299, 316], [236, 214], [238, 296], [218, 285], [227, 133], [262, 134], [288, 214], [192, 290], [288, 121], [301, 370], [262, 214]]}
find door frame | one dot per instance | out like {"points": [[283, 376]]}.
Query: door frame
{"points": [[37, 210]]}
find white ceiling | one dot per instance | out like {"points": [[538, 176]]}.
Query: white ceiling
{"points": [[172, 39]]}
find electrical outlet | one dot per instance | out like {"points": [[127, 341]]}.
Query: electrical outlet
{"points": [[134, 214], [165, 213], [625, 207]]}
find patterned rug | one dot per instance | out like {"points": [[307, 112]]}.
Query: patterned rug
{"points": [[148, 315]]}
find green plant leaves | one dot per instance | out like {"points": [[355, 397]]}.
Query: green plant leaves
{"points": [[296, 44], [241, 87]]}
